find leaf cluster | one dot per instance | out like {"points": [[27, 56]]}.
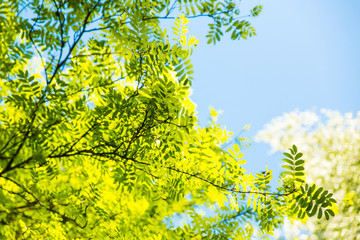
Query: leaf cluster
{"points": [[310, 200], [99, 138]]}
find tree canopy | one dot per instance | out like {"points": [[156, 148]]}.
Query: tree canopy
{"points": [[331, 140], [99, 138]]}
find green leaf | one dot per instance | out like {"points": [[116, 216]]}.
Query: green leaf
{"points": [[327, 215], [325, 204], [303, 215], [299, 180], [193, 10], [299, 214], [311, 189], [288, 161], [292, 151], [313, 211], [303, 203], [299, 196], [288, 155], [293, 206], [325, 193], [320, 213], [331, 212], [316, 194], [295, 149], [299, 155], [287, 167], [178, 68], [299, 162], [299, 174], [217, 35], [299, 168], [321, 200], [309, 207], [287, 173]]}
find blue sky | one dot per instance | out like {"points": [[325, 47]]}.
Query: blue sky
{"points": [[306, 55]]}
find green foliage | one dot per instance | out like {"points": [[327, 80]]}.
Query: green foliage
{"points": [[331, 142], [295, 165], [309, 201], [99, 138], [256, 11]]}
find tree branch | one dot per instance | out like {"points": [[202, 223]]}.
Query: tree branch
{"points": [[110, 154]]}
